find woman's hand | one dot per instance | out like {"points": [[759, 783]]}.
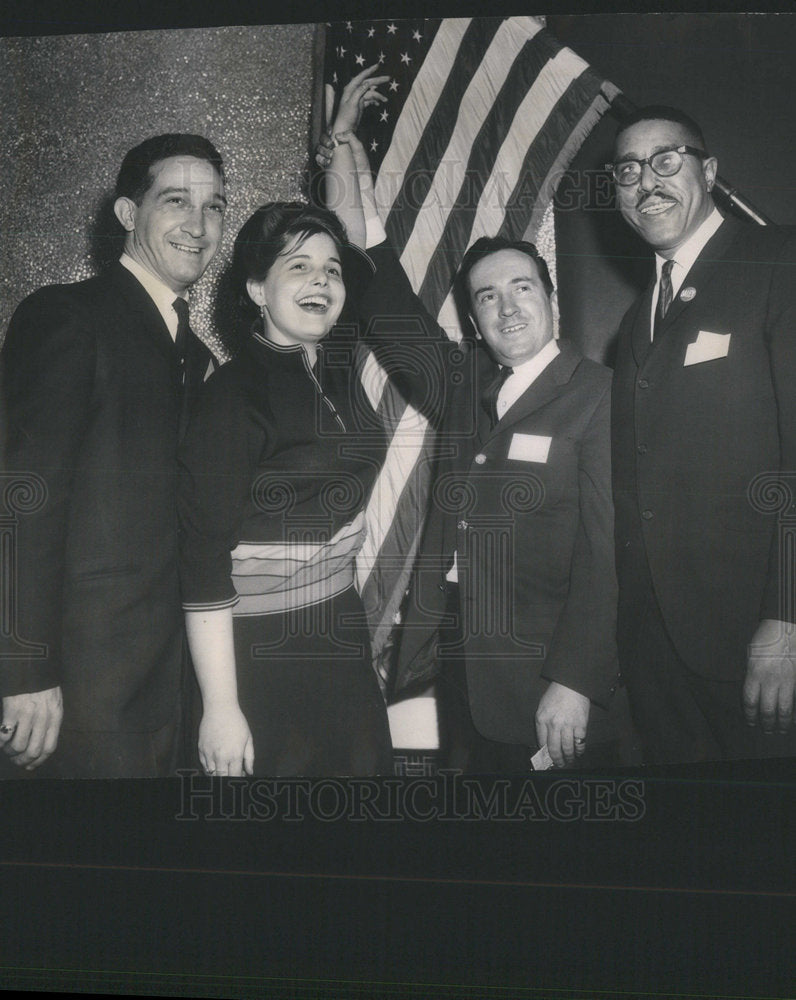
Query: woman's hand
{"points": [[359, 93], [225, 741]]}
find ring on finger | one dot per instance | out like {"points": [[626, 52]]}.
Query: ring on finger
{"points": [[7, 730]]}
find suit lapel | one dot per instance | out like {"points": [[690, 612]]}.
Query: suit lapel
{"points": [[143, 316], [641, 344], [135, 301], [702, 272], [544, 388], [196, 361]]}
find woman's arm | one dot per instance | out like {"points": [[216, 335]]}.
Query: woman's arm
{"points": [[225, 741], [348, 179], [215, 473]]}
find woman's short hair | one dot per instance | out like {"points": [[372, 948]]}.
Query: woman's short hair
{"points": [[267, 234]]}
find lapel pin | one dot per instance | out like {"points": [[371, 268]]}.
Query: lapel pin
{"points": [[687, 294]]}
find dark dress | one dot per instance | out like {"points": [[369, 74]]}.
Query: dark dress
{"points": [[275, 471]]}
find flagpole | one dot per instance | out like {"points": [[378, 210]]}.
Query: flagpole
{"points": [[622, 108]]}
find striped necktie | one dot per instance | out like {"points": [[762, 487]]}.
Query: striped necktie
{"points": [[664, 294]]}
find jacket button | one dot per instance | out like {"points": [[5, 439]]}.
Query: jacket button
{"points": [[643, 383], [642, 449], [462, 526], [647, 515], [479, 459]]}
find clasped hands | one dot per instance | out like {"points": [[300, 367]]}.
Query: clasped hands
{"points": [[359, 93]]}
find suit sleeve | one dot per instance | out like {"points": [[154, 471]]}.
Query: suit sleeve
{"points": [[779, 603], [214, 482], [582, 653], [48, 370], [406, 339]]}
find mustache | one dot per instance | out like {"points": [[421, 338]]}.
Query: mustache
{"points": [[644, 196]]}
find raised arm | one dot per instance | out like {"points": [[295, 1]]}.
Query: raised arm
{"points": [[348, 180]]}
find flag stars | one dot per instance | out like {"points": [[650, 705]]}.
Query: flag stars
{"points": [[406, 58], [359, 60], [391, 29], [382, 57], [393, 85], [342, 51], [416, 35], [349, 27], [374, 146], [384, 116], [334, 77], [371, 32]]}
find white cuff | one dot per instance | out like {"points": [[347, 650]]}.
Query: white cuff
{"points": [[374, 232]]}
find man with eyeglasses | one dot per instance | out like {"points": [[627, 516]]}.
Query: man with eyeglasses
{"points": [[704, 409]]}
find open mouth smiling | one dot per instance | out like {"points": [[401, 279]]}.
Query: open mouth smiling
{"points": [[515, 328], [656, 207], [185, 249], [314, 303]]}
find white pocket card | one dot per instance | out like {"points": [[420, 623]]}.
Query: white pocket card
{"points": [[707, 347], [529, 447]]}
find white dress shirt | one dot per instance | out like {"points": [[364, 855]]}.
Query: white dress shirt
{"points": [[684, 260], [523, 376], [160, 293]]}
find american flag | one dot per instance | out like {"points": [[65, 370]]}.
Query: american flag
{"points": [[483, 116]]}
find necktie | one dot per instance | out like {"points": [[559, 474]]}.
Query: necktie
{"points": [[664, 293], [492, 391], [180, 306]]}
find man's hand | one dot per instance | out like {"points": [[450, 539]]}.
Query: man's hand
{"points": [[771, 676], [359, 93], [30, 726], [561, 721]]}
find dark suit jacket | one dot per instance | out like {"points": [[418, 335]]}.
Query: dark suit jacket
{"points": [[93, 404], [690, 440], [534, 538]]}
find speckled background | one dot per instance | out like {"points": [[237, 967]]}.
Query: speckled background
{"points": [[72, 106]]}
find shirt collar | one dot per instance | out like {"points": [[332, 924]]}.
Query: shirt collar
{"points": [[691, 249], [158, 291], [529, 370]]}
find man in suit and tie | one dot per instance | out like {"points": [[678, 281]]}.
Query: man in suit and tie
{"points": [[516, 568], [97, 381], [704, 441]]}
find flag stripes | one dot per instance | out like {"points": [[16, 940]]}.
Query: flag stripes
{"points": [[482, 116]]}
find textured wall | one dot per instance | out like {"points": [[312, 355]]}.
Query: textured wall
{"points": [[72, 106]]}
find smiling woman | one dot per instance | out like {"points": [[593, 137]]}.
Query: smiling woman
{"points": [[276, 466]]}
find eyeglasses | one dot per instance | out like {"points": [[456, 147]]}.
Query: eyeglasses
{"points": [[665, 163]]}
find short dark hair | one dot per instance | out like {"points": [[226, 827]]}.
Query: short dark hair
{"points": [[485, 247], [268, 232], [665, 113], [135, 174]]}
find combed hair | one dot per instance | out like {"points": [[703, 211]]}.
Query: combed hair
{"points": [[665, 113], [485, 247], [135, 174]]}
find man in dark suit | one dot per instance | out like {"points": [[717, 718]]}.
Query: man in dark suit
{"points": [[97, 380], [516, 567], [704, 426]]}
